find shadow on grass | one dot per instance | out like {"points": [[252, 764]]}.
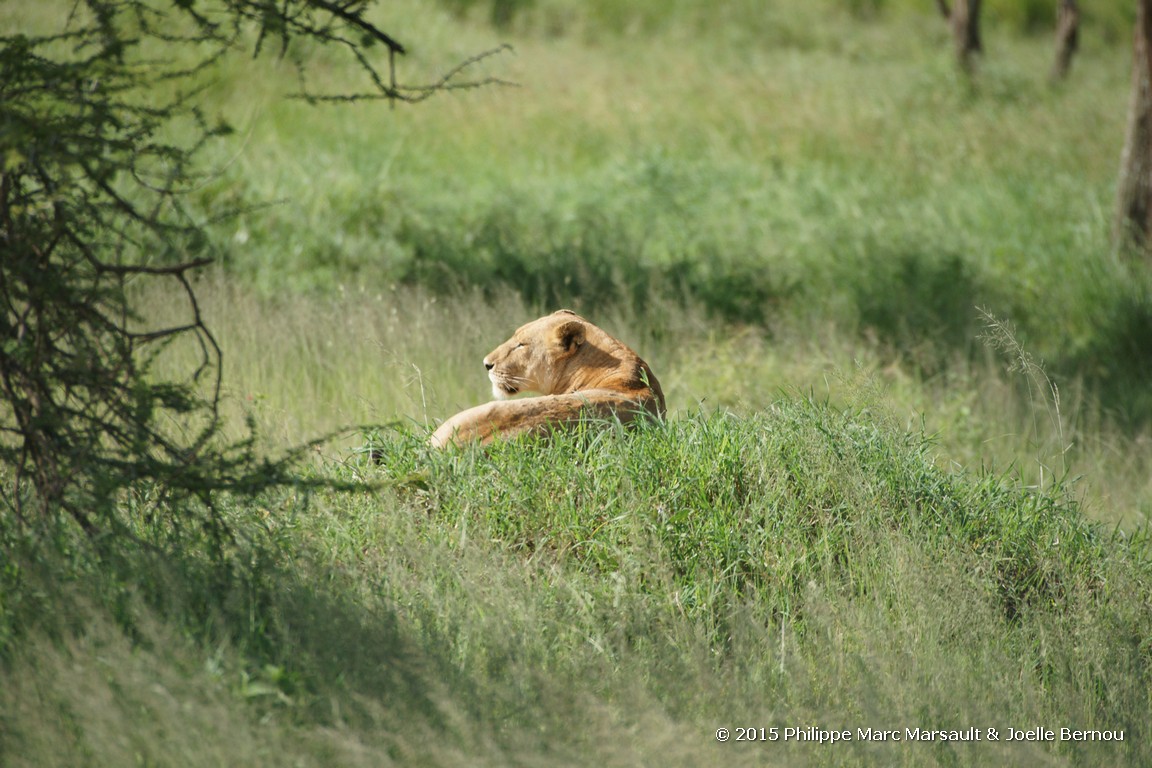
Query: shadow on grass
{"points": [[591, 261], [923, 304], [262, 658], [1116, 362]]}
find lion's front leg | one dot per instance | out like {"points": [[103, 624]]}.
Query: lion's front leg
{"points": [[510, 418], [504, 419], [472, 425]]}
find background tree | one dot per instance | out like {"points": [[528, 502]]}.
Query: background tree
{"points": [[100, 135], [1133, 217], [1067, 37], [964, 19]]}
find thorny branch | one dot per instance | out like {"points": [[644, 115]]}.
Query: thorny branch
{"points": [[417, 93], [90, 213]]}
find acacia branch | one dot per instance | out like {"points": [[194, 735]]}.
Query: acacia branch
{"points": [[355, 19], [412, 94], [91, 196]]}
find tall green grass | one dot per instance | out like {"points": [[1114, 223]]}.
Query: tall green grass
{"points": [[311, 365], [862, 185], [1109, 18]]}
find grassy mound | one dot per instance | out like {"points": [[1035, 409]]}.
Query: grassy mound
{"points": [[612, 597]]}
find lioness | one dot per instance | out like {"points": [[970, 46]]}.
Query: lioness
{"points": [[578, 369]]}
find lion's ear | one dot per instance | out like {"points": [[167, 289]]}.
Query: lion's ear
{"points": [[570, 335]]}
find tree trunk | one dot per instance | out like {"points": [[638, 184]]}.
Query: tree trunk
{"points": [[1133, 222], [1067, 37], [964, 18]]}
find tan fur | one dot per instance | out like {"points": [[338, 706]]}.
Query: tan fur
{"points": [[578, 369]]}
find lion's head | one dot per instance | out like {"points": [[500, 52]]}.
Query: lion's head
{"points": [[533, 360]]}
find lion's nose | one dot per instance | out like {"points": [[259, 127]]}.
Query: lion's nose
{"points": [[489, 366]]}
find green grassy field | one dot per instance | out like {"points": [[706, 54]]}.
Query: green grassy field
{"points": [[856, 517]]}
